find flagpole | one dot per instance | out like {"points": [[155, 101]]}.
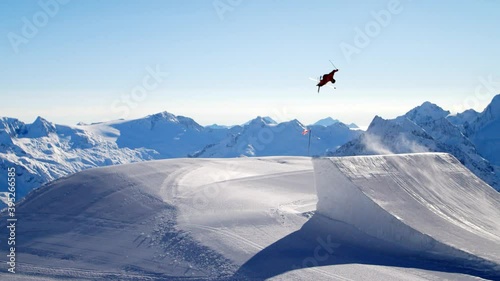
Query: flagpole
{"points": [[309, 144]]}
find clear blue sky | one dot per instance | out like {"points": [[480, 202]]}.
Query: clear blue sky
{"points": [[255, 58]]}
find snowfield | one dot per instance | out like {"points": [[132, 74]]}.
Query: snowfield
{"points": [[399, 217]]}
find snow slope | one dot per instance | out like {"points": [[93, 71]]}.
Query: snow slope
{"points": [[256, 218], [422, 202]]}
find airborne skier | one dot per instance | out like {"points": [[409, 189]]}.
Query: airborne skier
{"points": [[327, 78]]}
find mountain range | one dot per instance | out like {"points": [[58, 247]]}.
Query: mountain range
{"points": [[264, 137], [330, 121], [472, 137], [42, 151]]}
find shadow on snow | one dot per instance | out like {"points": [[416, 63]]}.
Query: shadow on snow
{"points": [[322, 242]]}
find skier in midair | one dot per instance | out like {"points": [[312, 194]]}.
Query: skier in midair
{"points": [[327, 78]]}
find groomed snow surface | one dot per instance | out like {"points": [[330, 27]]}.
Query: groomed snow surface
{"points": [[400, 217]]}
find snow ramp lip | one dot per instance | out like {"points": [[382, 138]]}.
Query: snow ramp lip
{"points": [[427, 203]]}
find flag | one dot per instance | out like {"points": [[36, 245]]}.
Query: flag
{"points": [[305, 132]]}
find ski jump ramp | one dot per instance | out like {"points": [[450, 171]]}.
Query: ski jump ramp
{"points": [[425, 202]]}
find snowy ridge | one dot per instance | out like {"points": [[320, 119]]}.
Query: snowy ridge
{"points": [[415, 201], [325, 122], [260, 137], [428, 128], [401, 217], [169, 135], [483, 131], [328, 121], [43, 151], [463, 119]]}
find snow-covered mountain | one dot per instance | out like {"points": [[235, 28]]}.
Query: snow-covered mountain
{"points": [[353, 126], [171, 136], [426, 128], [218, 127], [43, 151], [266, 119], [328, 121], [262, 137], [484, 131], [463, 119]]}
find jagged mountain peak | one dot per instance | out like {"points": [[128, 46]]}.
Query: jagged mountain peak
{"points": [[163, 115], [261, 139], [376, 121], [493, 109], [483, 131], [381, 126], [353, 126], [496, 100], [422, 129], [329, 121], [269, 120], [459, 119], [39, 128], [259, 120], [326, 122], [169, 118], [216, 126], [189, 123], [426, 112], [294, 123], [11, 126], [467, 112]]}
